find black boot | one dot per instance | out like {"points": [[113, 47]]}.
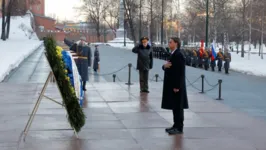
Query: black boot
{"points": [[84, 86]]}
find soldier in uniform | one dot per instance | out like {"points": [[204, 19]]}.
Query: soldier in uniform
{"points": [[82, 50], [206, 59], [89, 56], [194, 58], [227, 60], [200, 62], [220, 58]]}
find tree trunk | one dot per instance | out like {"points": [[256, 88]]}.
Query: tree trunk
{"points": [[215, 21], [3, 34], [8, 19], [151, 23], [262, 32], [98, 32]]}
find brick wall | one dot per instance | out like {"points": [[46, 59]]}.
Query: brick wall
{"points": [[48, 23], [91, 37], [37, 8], [58, 35]]}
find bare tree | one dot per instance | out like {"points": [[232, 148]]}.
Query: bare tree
{"points": [[3, 34], [94, 11], [130, 10], [111, 15]]}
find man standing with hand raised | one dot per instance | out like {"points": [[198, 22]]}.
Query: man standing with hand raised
{"points": [[174, 87], [144, 63]]}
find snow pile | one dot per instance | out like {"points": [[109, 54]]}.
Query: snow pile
{"points": [[254, 66], [21, 43], [128, 46]]}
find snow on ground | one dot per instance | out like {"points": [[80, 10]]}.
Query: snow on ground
{"points": [[254, 66], [21, 43], [128, 46]]}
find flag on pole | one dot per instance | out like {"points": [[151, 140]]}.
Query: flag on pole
{"points": [[214, 55]]}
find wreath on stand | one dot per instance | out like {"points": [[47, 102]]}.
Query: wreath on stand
{"points": [[76, 116]]}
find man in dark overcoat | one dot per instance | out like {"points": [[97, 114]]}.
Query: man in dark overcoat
{"points": [[144, 63], [174, 86], [96, 60], [82, 50]]}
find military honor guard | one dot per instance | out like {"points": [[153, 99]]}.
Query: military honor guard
{"points": [[82, 51]]}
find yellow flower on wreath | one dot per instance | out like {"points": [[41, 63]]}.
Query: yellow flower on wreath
{"points": [[65, 71], [67, 78], [72, 90], [59, 51], [58, 48]]}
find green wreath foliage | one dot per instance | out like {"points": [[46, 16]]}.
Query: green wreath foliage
{"points": [[76, 116]]}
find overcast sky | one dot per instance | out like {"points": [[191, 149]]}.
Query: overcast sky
{"points": [[62, 8]]}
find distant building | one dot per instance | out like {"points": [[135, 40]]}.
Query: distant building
{"points": [[44, 25], [20, 7]]}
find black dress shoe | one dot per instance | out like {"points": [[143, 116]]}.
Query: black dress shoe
{"points": [[168, 129], [146, 91], [174, 131]]}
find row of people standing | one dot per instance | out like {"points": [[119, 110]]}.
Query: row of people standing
{"points": [[205, 59], [83, 62]]}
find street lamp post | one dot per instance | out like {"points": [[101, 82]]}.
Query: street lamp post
{"points": [[162, 22], [125, 33], [207, 23], [140, 18]]}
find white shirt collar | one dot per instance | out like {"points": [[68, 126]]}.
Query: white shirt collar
{"points": [[173, 51]]}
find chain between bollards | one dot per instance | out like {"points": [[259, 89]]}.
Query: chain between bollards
{"points": [[220, 90], [129, 74], [114, 76], [202, 83]]}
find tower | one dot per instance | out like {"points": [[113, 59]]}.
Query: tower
{"points": [[37, 7]]}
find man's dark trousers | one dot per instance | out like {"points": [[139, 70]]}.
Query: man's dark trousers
{"points": [[143, 80], [178, 119]]}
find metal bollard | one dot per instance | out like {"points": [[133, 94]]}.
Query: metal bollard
{"points": [[220, 90], [114, 76], [156, 77], [129, 74], [202, 83]]}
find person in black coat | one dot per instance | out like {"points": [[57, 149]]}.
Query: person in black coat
{"points": [[174, 87], [96, 60], [144, 63]]}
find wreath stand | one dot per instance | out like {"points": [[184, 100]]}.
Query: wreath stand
{"points": [[52, 78]]}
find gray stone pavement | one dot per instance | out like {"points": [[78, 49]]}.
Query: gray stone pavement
{"points": [[120, 118]]}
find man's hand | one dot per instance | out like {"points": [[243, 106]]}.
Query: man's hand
{"points": [[176, 90], [168, 65]]}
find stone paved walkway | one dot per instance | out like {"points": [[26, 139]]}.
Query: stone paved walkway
{"points": [[120, 118]]}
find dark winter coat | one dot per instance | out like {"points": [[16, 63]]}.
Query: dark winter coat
{"points": [[89, 57], [175, 77], [96, 59], [82, 61], [145, 57]]}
